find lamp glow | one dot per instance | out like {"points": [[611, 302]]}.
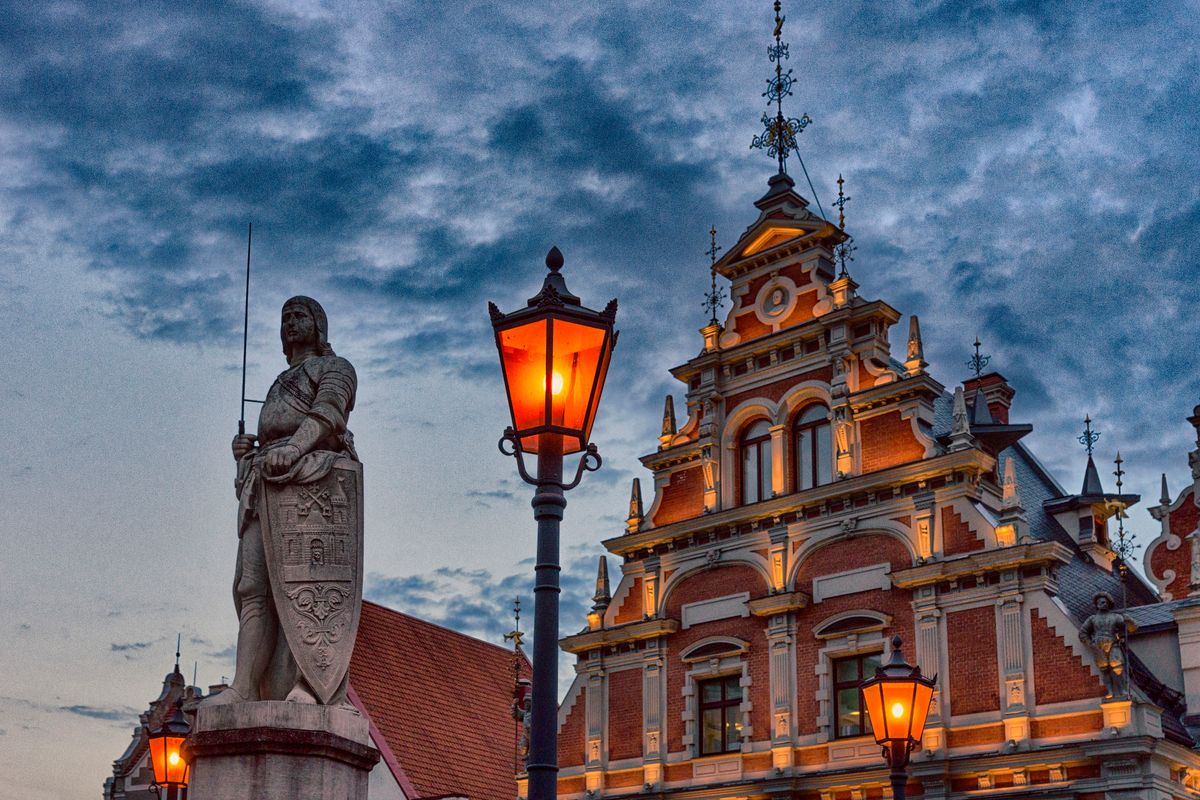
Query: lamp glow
{"points": [[556, 384], [897, 699], [897, 710]]}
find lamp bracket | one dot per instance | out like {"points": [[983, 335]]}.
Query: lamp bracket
{"points": [[510, 445]]}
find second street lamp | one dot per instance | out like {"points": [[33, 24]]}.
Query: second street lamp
{"points": [[897, 698], [171, 770], [554, 354]]}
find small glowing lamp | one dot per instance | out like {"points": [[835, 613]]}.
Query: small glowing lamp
{"points": [[171, 769], [554, 354], [897, 700]]}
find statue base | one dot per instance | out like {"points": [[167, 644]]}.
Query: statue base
{"points": [[272, 750]]}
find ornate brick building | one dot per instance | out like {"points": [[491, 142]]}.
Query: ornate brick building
{"points": [[823, 495]]}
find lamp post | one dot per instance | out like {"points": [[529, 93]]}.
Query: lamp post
{"points": [[171, 770], [897, 698], [554, 354]]}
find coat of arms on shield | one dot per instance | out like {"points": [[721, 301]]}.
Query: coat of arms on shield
{"points": [[312, 535]]}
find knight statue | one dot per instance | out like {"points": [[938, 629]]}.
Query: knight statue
{"points": [[297, 586], [1104, 633]]}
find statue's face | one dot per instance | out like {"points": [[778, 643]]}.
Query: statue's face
{"points": [[1102, 603], [298, 326]]}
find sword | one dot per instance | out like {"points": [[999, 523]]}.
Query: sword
{"points": [[246, 331]]}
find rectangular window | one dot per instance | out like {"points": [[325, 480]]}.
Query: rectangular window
{"points": [[850, 718], [720, 715]]}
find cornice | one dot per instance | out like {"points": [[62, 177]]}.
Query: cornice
{"points": [[779, 603], [607, 637], [972, 461], [1022, 555]]}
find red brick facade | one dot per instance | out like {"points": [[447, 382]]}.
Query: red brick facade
{"points": [[888, 440], [957, 536], [682, 497], [703, 585], [631, 608], [974, 670], [625, 714], [1058, 674], [572, 737]]}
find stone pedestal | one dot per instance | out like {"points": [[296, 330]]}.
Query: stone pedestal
{"points": [[272, 750]]}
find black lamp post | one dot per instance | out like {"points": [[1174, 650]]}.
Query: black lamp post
{"points": [[171, 770], [554, 354], [897, 698]]}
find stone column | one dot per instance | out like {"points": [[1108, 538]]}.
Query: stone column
{"points": [[1011, 627], [594, 697], [930, 660], [276, 750], [783, 692], [778, 447]]}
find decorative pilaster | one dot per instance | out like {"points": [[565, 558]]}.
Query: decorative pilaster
{"points": [[653, 693], [929, 659], [777, 553], [709, 470], [650, 586], [594, 698], [1011, 641], [783, 660], [843, 433], [923, 524], [778, 447]]}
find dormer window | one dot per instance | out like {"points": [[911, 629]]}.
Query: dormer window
{"points": [[756, 462], [813, 440]]}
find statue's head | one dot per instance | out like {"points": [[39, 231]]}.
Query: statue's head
{"points": [[1103, 601], [303, 322]]}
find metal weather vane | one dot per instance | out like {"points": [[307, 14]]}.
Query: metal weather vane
{"points": [[779, 135], [1089, 437], [979, 362], [715, 296], [845, 250]]}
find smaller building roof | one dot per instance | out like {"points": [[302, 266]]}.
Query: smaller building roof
{"points": [[441, 700]]}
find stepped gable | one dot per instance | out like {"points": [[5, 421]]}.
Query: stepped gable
{"points": [[411, 677]]}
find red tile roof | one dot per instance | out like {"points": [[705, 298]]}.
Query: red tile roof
{"points": [[441, 701]]}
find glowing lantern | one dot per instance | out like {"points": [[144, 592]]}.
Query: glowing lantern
{"points": [[897, 700], [555, 355], [171, 770]]}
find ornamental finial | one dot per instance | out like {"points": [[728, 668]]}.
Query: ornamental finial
{"points": [[516, 635], [845, 250], [715, 296], [1089, 437], [979, 362], [779, 135]]}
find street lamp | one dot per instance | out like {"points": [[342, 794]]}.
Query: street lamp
{"points": [[897, 700], [554, 354], [171, 770]]}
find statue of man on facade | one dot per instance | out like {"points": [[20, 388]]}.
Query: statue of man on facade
{"points": [[1104, 632], [298, 581]]}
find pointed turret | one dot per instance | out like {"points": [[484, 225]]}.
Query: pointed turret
{"points": [[669, 429], [1013, 527], [960, 433], [915, 362], [1091, 480], [633, 523], [602, 598], [1164, 497], [980, 413]]}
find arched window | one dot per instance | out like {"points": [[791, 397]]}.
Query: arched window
{"points": [[756, 462], [813, 440]]}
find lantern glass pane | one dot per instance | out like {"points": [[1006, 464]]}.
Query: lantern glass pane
{"points": [[601, 375], [576, 365], [158, 759], [897, 707], [873, 700], [921, 709], [176, 766], [523, 355]]}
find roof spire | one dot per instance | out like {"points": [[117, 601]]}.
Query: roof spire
{"points": [[633, 522], [668, 423], [779, 135], [845, 250], [1165, 495], [960, 433], [1012, 496], [915, 362], [602, 598], [516, 635], [978, 362], [178, 639], [1091, 477], [715, 296]]}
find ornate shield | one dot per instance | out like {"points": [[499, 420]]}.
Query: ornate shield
{"points": [[313, 537]]}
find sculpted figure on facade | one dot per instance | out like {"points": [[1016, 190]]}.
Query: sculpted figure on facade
{"points": [[298, 580], [1104, 632]]}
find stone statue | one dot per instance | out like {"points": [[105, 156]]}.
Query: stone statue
{"points": [[298, 581], [1104, 632], [522, 712]]}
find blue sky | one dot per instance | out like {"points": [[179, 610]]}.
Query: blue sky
{"points": [[1024, 172]]}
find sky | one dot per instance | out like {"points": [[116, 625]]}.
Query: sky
{"points": [[1024, 172]]}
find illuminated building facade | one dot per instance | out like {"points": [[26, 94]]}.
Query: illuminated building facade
{"points": [[825, 493]]}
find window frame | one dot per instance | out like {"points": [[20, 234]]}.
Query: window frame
{"points": [[838, 686], [814, 459], [757, 442], [727, 706]]}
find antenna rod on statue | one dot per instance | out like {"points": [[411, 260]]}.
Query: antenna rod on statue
{"points": [[245, 327]]}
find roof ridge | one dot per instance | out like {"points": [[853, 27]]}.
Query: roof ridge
{"points": [[444, 628]]}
